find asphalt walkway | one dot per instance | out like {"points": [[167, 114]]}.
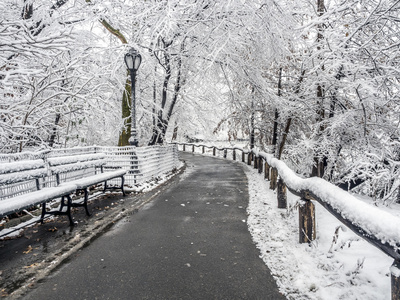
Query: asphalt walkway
{"points": [[189, 242]]}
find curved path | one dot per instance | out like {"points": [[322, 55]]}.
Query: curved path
{"points": [[190, 242]]}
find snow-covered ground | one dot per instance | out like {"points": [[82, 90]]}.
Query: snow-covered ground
{"points": [[349, 268]]}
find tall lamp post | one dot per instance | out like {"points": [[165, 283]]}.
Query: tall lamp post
{"points": [[132, 61]]}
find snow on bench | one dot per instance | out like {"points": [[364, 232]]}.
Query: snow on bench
{"points": [[24, 183], [21, 187], [82, 171], [19, 171]]}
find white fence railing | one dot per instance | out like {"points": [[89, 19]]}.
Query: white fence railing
{"points": [[142, 163]]}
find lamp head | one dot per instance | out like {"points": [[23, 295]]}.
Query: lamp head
{"points": [[133, 59]]}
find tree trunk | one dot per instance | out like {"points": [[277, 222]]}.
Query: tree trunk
{"points": [[276, 117], [160, 130], [252, 122], [54, 131], [126, 96], [175, 134], [289, 121], [318, 168], [126, 116]]}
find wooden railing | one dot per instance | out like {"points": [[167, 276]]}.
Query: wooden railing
{"points": [[379, 228]]}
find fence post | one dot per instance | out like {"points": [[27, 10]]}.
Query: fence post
{"points": [[266, 171], [281, 192], [192, 148], [249, 159], [260, 165], [307, 232], [184, 147], [234, 154], [213, 151], [243, 157], [255, 162], [273, 179], [225, 153], [202, 151], [395, 280]]}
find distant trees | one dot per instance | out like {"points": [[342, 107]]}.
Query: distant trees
{"points": [[316, 83], [352, 63], [29, 48], [322, 86], [51, 75]]}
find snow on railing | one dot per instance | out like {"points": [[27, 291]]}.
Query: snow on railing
{"points": [[142, 163], [156, 160], [378, 227], [29, 155]]}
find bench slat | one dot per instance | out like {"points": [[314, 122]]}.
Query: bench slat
{"points": [[65, 160], [95, 179], [77, 166], [22, 176], [18, 166], [24, 201], [21, 173]]}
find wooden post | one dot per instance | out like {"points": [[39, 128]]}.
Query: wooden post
{"points": [[192, 148], [243, 157], [395, 279], [260, 165], [266, 171], [184, 147], [306, 221], [273, 179], [202, 151], [234, 154], [281, 193], [213, 151], [225, 153], [249, 159], [255, 162]]}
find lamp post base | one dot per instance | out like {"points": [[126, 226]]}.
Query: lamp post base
{"points": [[133, 141]]}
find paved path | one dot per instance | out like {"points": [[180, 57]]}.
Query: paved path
{"points": [[190, 242]]}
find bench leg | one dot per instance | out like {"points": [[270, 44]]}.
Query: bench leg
{"points": [[105, 186], [86, 201], [62, 204], [59, 212], [71, 222], [114, 187], [43, 212], [122, 185]]}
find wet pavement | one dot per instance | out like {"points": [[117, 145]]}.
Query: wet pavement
{"points": [[189, 240], [40, 249]]}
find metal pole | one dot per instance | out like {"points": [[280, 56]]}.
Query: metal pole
{"points": [[133, 138]]}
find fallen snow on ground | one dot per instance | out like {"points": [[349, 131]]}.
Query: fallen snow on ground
{"points": [[348, 269]]}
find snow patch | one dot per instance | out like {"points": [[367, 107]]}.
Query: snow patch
{"points": [[343, 268]]}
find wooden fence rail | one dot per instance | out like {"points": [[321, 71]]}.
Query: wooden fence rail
{"points": [[379, 228]]}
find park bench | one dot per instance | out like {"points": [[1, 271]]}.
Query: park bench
{"points": [[27, 183], [84, 171], [22, 185]]}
